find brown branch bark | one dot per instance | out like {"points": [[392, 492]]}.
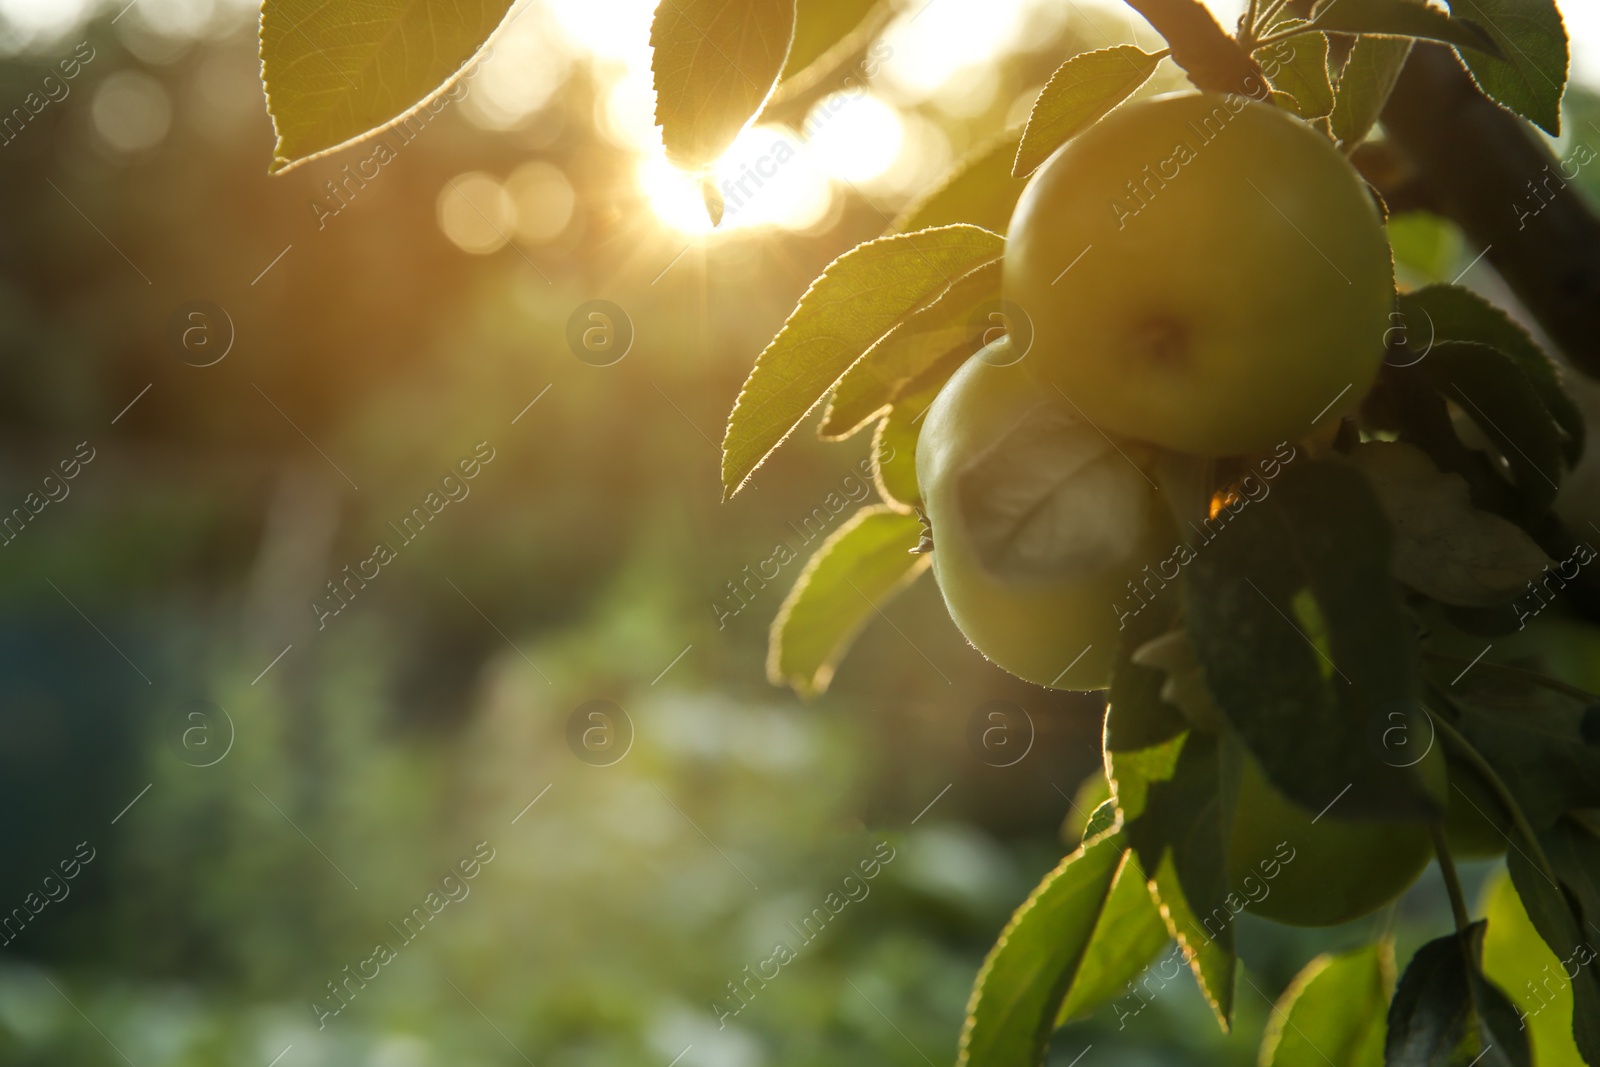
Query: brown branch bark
{"points": [[1480, 166], [1212, 59]]}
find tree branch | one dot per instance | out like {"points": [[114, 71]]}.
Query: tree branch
{"points": [[1212, 59], [1481, 166]]}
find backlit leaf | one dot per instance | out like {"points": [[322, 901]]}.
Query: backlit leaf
{"points": [[1019, 990], [1143, 733], [335, 73], [1559, 919], [1182, 836], [1364, 86], [940, 330], [820, 25], [859, 297], [1080, 93], [978, 190], [715, 62], [1532, 74], [1400, 18], [1333, 1011], [1516, 958], [1127, 937], [1298, 67], [894, 446], [1574, 852], [865, 563]]}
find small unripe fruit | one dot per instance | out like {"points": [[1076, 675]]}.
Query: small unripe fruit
{"points": [[1203, 272], [1039, 524], [1339, 871]]}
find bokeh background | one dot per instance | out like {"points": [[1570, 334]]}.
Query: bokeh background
{"points": [[264, 792]]}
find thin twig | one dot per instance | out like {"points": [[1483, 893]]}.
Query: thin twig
{"points": [[1470, 753], [1532, 677], [1452, 882]]}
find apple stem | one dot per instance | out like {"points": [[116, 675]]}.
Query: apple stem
{"points": [[1452, 882]]}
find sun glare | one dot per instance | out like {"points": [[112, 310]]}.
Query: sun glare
{"points": [[929, 42], [855, 136], [769, 177], [940, 53]]}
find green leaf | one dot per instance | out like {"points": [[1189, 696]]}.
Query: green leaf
{"points": [[336, 73], [1014, 1002], [715, 63], [1182, 835], [820, 26], [894, 446], [1319, 541], [1400, 18], [1364, 87], [1453, 313], [894, 458], [978, 190], [864, 564], [1493, 390], [1298, 68], [1080, 93], [1127, 937], [1333, 1011], [1445, 1013], [1574, 852], [1102, 817], [1531, 74], [1143, 733], [1516, 958], [1559, 919], [1504, 1038], [1185, 687], [1444, 547], [1541, 759], [859, 297], [837, 44], [926, 338]]}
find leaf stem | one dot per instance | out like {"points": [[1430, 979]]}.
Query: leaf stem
{"points": [[1534, 677], [1518, 819], [1274, 38], [1266, 16], [1249, 25], [1452, 882]]}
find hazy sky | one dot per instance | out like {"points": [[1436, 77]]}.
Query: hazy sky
{"points": [[1582, 16]]}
